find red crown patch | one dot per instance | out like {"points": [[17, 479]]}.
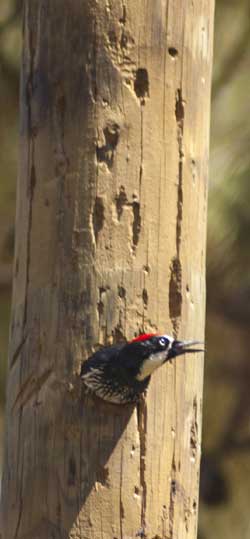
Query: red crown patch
{"points": [[143, 337]]}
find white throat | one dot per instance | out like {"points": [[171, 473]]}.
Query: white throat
{"points": [[151, 364]]}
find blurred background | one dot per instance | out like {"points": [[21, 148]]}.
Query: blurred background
{"points": [[225, 470]]}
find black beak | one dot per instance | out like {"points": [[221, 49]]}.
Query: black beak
{"points": [[184, 347]]}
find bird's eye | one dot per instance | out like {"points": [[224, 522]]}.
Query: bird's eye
{"points": [[163, 341]]}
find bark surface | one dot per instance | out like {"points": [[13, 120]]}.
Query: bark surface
{"points": [[110, 241]]}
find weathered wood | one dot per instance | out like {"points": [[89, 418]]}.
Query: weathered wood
{"points": [[110, 241]]}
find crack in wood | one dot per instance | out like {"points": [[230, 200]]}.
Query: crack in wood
{"points": [[194, 433], [175, 283], [17, 352], [179, 114], [123, 18], [173, 490], [141, 84], [98, 217], [121, 201], [120, 500], [142, 153], [175, 293], [31, 134], [36, 384], [142, 430], [20, 511], [136, 223]]}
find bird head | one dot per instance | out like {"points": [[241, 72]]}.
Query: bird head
{"points": [[150, 351]]}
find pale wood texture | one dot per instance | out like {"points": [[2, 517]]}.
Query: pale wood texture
{"points": [[110, 241]]}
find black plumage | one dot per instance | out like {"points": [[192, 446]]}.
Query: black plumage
{"points": [[121, 373]]}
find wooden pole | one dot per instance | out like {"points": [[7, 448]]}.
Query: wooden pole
{"points": [[110, 241]]}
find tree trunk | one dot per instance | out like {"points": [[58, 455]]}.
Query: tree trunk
{"points": [[110, 241]]}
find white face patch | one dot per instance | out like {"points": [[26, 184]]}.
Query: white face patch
{"points": [[170, 339], [151, 364]]}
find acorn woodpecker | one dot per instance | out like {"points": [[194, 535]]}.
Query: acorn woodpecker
{"points": [[121, 373]]}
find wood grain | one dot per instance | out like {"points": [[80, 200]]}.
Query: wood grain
{"points": [[110, 241]]}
